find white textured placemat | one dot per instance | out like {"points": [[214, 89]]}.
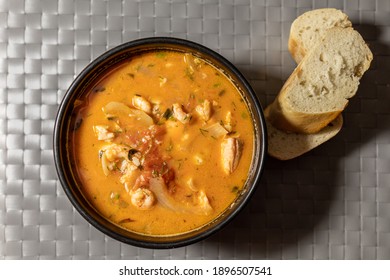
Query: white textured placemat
{"points": [[332, 203]]}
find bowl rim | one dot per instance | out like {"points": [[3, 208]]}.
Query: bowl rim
{"points": [[247, 90]]}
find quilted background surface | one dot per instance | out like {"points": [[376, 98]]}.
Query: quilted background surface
{"points": [[332, 203]]}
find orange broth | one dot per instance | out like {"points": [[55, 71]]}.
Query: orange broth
{"points": [[184, 156]]}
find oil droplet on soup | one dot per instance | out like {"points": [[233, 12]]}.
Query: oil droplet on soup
{"points": [[162, 144]]}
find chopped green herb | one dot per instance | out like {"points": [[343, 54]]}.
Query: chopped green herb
{"points": [[154, 173], [235, 189], [114, 196], [186, 117], [189, 74], [244, 115], [180, 164], [161, 54], [131, 75], [167, 114], [222, 92], [131, 153], [216, 85], [151, 65], [163, 80], [170, 147], [203, 131], [111, 118]]}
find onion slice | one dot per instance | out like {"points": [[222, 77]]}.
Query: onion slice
{"points": [[158, 187], [216, 130], [118, 109], [105, 163]]}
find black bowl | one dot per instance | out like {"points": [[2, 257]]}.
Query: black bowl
{"points": [[88, 76]]}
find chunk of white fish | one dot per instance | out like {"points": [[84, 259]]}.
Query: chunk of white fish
{"points": [[204, 110], [231, 149], [142, 104], [179, 114], [103, 133]]}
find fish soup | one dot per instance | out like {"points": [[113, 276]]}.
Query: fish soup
{"points": [[162, 144]]}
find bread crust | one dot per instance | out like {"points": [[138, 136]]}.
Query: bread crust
{"points": [[285, 146], [293, 47], [299, 122]]}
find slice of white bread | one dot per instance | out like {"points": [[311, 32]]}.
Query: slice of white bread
{"points": [[285, 146], [307, 29], [319, 88]]}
